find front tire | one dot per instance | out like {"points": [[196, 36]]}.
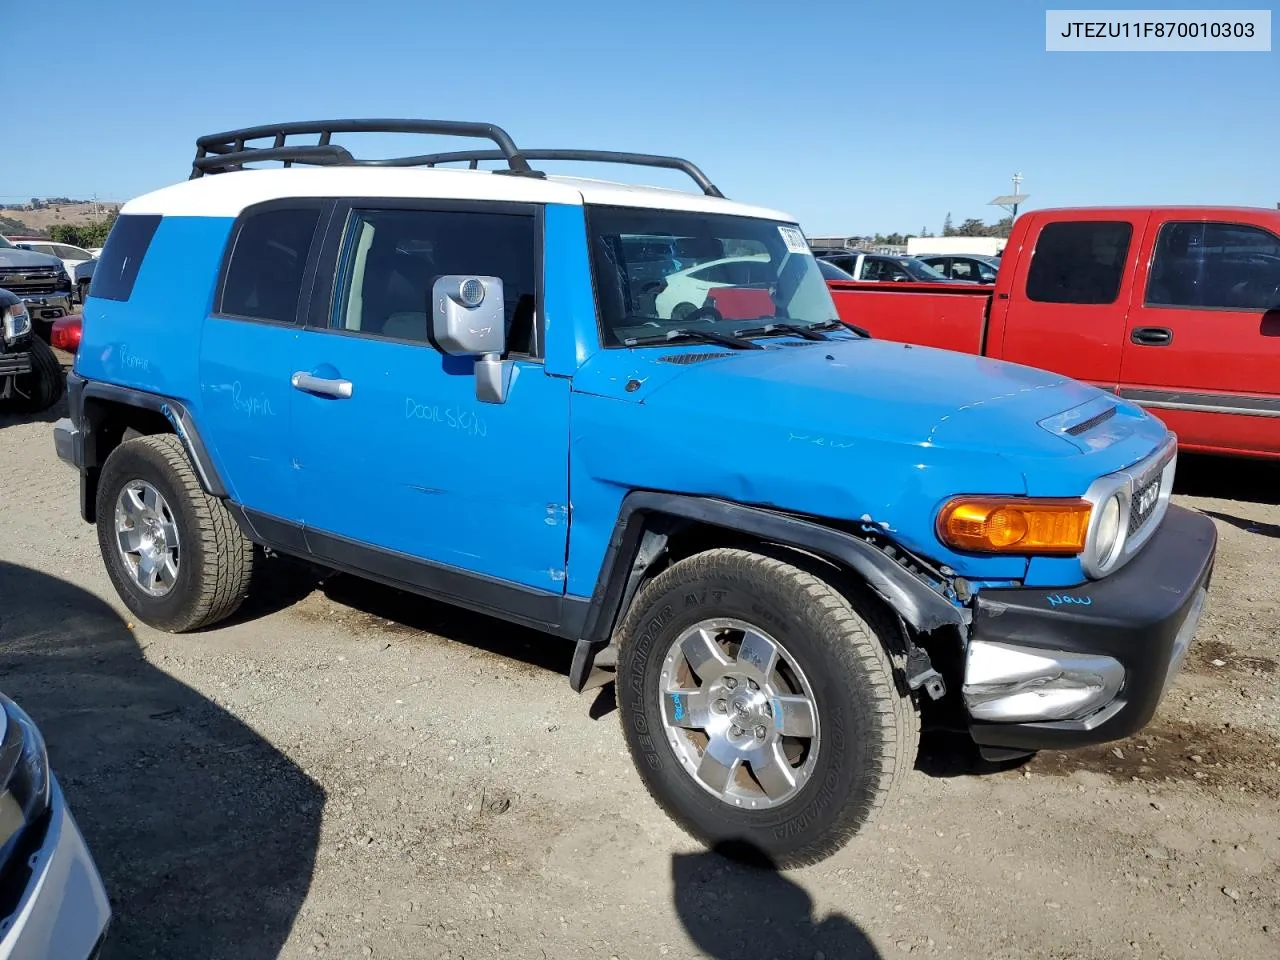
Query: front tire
{"points": [[44, 386], [173, 553], [760, 705]]}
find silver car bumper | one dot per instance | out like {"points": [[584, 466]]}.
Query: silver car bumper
{"points": [[64, 911]]}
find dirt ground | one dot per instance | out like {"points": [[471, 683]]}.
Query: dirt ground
{"points": [[346, 771]]}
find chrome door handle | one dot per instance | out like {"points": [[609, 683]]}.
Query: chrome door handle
{"points": [[319, 385]]}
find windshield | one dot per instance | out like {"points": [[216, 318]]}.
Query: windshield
{"points": [[5, 244], [659, 271]]}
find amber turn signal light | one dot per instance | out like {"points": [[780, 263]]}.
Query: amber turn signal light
{"points": [[1015, 525]]}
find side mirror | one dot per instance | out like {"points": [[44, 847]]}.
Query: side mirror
{"points": [[468, 319]]}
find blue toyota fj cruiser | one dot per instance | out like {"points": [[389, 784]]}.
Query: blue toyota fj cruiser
{"points": [[485, 386]]}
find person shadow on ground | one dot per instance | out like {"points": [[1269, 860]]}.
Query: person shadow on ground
{"points": [[735, 905], [204, 833]]}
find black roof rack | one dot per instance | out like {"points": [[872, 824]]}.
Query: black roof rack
{"points": [[223, 152], [586, 156]]}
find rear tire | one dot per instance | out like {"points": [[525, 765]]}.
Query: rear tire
{"points": [[44, 386], [834, 643], [149, 488]]}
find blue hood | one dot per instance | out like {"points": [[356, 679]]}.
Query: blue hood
{"points": [[848, 429]]}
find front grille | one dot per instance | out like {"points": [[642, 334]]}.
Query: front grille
{"points": [[14, 363], [29, 283], [1143, 504]]}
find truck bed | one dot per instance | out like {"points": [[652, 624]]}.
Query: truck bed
{"points": [[950, 316]]}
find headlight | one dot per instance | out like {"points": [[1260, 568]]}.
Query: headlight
{"points": [[17, 323], [1106, 536], [24, 775]]}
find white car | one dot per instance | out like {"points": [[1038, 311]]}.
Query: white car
{"points": [[52, 901], [687, 289], [79, 262]]}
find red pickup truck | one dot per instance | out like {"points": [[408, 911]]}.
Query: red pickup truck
{"points": [[1174, 308]]}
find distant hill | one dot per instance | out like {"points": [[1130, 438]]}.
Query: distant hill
{"points": [[38, 222]]}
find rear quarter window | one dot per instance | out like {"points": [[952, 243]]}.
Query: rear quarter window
{"points": [[268, 258], [121, 259], [1079, 262]]}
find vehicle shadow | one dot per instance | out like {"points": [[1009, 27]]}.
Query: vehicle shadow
{"points": [[204, 833], [1249, 526], [1228, 478], [454, 623], [53, 414], [734, 905]]}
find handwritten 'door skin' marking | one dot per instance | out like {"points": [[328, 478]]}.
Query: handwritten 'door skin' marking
{"points": [[455, 418]]}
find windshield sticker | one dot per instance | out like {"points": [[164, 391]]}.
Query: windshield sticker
{"points": [[794, 239]]}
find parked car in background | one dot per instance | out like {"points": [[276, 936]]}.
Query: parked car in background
{"points": [[40, 280], [31, 377], [830, 271], [686, 290], [974, 269], [77, 261], [786, 536], [52, 900], [1174, 308], [883, 267]]}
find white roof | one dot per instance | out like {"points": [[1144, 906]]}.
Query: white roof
{"points": [[226, 194]]}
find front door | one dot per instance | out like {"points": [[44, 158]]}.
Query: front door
{"points": [[401, 470], [1203, 343]]}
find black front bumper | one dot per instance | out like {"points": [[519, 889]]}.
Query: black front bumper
{"points": [[1144, 616]]}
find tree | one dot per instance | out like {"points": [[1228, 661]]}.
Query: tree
{"points": [[947, 229], [93, 234]]}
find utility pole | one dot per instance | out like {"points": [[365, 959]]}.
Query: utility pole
{"points": [[1011, 201]]}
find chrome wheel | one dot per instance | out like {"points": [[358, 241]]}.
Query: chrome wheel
{"points": [[739, 713], [147, 537]]}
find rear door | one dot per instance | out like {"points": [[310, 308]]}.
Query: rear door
{"points": [[1070, 293], [247, 350], [1203, 339]]}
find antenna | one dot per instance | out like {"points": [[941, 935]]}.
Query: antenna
{"points": [[1011, 201]]}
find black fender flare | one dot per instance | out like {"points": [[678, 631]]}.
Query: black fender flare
{"points": [[174, 411], [639, 535]]}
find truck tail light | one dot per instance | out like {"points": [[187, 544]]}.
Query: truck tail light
{"points": [[1015, 525], [65, 334]]}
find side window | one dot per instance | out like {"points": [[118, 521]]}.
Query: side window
{"points": [[720, 273], [871, 269], [127, 244], [1215, 266], [392, 258], [69, 253], [961, 270], [268, 258], [1079, 262]]}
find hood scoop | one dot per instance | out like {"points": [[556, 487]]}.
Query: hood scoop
{"points": [[683, 358], [1084, 426]]}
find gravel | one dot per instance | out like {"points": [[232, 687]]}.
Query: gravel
{"points": [[346, 771]]}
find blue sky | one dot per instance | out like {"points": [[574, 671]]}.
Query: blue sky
{"points": [[854, 116]]}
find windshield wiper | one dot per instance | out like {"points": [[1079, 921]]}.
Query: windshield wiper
{"points": [[706, 336], [807, 330]]}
